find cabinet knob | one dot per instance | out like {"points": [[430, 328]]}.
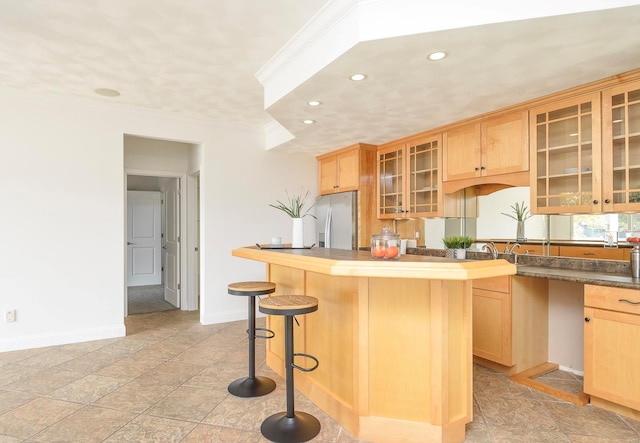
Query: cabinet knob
{"points": [[476, 169], [587, 319], [595, 202], [483, 168], [607, 201]]}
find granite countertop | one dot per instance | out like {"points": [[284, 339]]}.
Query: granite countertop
{"points": [[621, 244], [616, 273]]}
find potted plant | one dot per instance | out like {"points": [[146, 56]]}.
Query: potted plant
{"points": [[294, 208], [520, 214], [456, 246]]}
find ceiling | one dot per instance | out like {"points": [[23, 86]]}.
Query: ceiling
{"points": [[199, 58]]}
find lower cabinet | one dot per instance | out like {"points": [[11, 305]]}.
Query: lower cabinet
{"points": [[510, 322], [612, 346], [593, 252]]}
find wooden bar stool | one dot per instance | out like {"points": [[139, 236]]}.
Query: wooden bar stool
{"points": [[252, 386], [290, 426]]}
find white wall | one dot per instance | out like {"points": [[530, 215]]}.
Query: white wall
{"points": [[62, 266], [566, 325]]}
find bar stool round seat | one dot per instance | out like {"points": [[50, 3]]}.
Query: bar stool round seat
{"points": [[290, 426], [252, 386]]}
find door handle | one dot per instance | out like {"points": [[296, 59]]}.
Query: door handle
{"points": [[129, 243]]}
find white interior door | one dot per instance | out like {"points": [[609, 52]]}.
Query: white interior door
{"points": [[143, 238], [171, 245]]}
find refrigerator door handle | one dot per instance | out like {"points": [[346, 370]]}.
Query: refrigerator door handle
{"points": [[327, 229]]}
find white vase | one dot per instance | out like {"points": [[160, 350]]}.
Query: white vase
{"points": [[297, 239], [460, 253]]}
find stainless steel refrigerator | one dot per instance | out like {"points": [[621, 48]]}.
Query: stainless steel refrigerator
{"points": [[337, 220]]}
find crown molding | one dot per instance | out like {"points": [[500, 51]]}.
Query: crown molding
{"points": [[275, 135], [331, 32]]}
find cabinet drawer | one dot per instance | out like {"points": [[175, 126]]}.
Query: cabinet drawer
{"points": [[537, 250], [612, 299], [498, 284], [591, 252]]}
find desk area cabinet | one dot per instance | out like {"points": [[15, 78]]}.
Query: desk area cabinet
{"points": [[510, 323]]}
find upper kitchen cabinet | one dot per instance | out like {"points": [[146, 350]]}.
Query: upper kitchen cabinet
{"points": [[409, 180], [566, 156], [493, 150], [462, 157], [621, 148], [346, 169]]}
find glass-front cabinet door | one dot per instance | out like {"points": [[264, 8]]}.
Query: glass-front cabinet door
{"points": [[409, 179], [566, 156], [425, 195], [621, 148], [391, 201]]}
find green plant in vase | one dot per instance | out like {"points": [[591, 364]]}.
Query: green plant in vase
{"points": [[456, 245], [520, 214], [294, 208]]}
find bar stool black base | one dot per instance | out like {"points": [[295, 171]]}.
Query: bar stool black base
{"points": [[251, 387], [282, 429]]}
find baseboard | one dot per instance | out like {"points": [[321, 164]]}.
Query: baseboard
{"points": [[61, 338], [223, 317]]}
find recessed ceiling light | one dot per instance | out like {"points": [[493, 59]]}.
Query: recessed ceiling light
{"points": [[358, 77], [308, 122], [314, 103], [439, 55], [106, 92]]}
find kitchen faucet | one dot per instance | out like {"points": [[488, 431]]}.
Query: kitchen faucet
{"points": [[511, 251], [491, 248]]}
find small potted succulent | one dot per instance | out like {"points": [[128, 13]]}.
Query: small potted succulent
{"points": [[456, 246]]}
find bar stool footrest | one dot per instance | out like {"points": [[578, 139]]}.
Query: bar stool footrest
{"points": [[300, 368], [282, 429], [251, 387], [268, 333]]}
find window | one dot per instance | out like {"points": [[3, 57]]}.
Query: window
{"points": [[594, 227]]}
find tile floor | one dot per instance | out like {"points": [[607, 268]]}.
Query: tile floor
{"points": [[167, 382]]}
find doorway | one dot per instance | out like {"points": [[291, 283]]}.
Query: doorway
{"points": [[173, 169], [153, 236]]}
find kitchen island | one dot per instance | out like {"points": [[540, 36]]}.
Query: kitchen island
{"points": [[393, 338]]}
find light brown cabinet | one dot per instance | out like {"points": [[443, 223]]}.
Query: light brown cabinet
{"points": [[565, 156], [342, 170], [492, 147], [338, 168], [409, 179], [611, 345], [510, 322], [593, 252], [463, 154], [410, 182], [529, 249], [621, 148]]}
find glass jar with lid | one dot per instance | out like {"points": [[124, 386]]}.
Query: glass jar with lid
{"points": [[385, 245]]}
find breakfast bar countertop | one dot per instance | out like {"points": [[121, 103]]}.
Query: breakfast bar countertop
{"points": [[361, 264]]}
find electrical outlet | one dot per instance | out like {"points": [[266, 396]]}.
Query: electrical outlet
{"points": [[10, 316], [417, 234]]}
